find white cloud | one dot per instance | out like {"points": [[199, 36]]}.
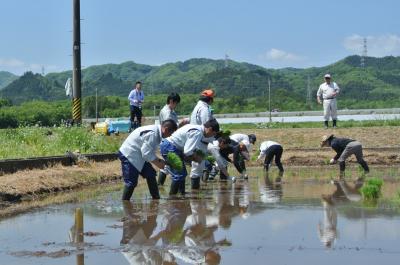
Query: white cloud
{"points": [[17, 66], [280, 55], [11, 63], [377, 46]]}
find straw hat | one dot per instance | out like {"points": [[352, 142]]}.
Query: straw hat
{"points": [[325, 138]]}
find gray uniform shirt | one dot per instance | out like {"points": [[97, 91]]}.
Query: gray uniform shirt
{"points": [[201, 113], [166, 113]]}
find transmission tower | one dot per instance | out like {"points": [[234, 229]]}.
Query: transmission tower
{"points": [[226, 60], [42, 70], [364, 53]]}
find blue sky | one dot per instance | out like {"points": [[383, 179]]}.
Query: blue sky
{"points": [[273, 34]]}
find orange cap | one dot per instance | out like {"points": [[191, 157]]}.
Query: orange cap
{"points": [[208, 93]]}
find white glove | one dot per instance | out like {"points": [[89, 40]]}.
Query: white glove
{"points": [[167, 169]]}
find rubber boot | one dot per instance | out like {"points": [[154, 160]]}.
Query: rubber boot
{"points": [[342, 167], [153, 188], [174, 187], [326, 124], [127, 193], [334, 123], [222, 176], [182, 187], [161, 178], [364, 166], [195, 183], [205, 175]]}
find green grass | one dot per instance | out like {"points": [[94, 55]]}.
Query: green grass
{"points": [[26, 142]]}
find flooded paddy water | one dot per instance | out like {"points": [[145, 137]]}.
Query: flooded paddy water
{"points": [[309, 218]]}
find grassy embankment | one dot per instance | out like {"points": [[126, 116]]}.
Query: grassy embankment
{"points": [[34, 141]]}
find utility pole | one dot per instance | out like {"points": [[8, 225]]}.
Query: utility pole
{"points": [[76, 69], [269, 100]]}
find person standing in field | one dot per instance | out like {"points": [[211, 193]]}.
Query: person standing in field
{"points": [[202, 112], [344, 148], [168, 113], [329, 91], [136, 99], [200, 115], [138, 151]]}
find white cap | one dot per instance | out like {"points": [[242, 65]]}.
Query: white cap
{"points": [[327, 76]]}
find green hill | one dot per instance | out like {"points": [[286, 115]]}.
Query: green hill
{"points": [[6, 78], [376, 85], [32, 87]]}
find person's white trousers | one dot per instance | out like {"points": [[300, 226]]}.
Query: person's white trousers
{"points": [[330, 109]]}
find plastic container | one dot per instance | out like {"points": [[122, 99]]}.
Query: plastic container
{"points": [[101, 127], [122, 126]]}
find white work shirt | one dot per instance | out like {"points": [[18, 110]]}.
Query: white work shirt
{"points": [[327, 90], [167, 113], [213, 149], [242, 138], [141, 145], [264, 147], [201, 113], [188, 138]]}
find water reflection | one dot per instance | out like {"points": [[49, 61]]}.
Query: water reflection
{"points": [[138, 235], [271, 191], [344, 192], [184, 234]]}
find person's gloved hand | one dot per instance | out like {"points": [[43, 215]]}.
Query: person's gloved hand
{"points": [[332, 161], [167, 169]]}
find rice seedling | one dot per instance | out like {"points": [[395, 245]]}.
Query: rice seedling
{"points": [[371, 189], [174, 161]]}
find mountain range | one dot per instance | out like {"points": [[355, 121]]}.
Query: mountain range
{"points": [[379, 80]]}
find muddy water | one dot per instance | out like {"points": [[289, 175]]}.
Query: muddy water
{"points": [[259, 221]]}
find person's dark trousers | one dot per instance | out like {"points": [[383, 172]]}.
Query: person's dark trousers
{"points": [[177, 186], [334, 123], [161, 178], [130, 175], [153, 187], [274, 150], [195, 183], [136, 112], [238, 162]]}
